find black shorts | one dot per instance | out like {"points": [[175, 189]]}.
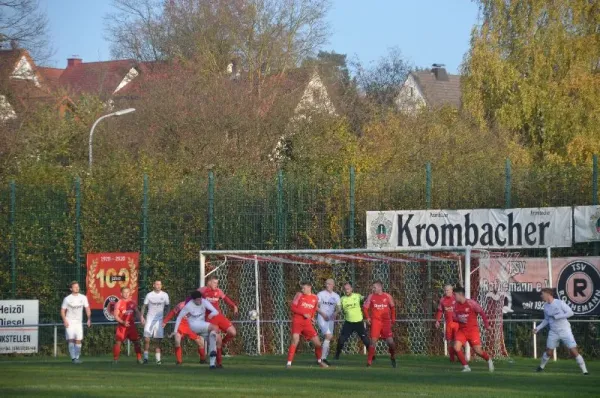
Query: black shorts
{"points": [[354, 327]]}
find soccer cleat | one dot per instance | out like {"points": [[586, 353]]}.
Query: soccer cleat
{"points": [[72, 360], [145, 361], [585, 373], [220, 366], [323, 364], [115, 362], [178, 364], [212, 367], [288, 366], [325, 361], [539, 369], [491, 365], [203, 362], [141, 362], [394, 363], [368, 365], [77, 361], [158, 362], [466, 369]]}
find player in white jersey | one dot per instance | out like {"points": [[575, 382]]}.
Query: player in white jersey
{"points": [[195, 311], [157, 303], [329, 308], [71, 312], [556, 313]]}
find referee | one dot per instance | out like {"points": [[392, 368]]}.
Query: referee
{"points": [[353, 319]]}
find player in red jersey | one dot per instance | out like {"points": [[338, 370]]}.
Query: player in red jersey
{"points": [[446, 307], [183, 332], [465, 313], [380, 313], [125, 312], [214, 295], [304, 307]]}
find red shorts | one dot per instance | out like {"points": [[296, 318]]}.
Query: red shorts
{"points": [[123, 333], [304, 327], [221, 321], [470, 335], [381, 329], [451, 329], [185, 331]]}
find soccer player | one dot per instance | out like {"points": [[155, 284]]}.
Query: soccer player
{"points": [[465, 313], [329, 308], [303, 308], [157, 302], [446, 307], [125, 312], [213, 294], [196, 313], [71, 312], [353, 319], [556, 313], [183, 332], [380, 312]]}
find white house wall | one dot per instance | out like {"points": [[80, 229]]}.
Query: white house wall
{"points": [[410, 99]]}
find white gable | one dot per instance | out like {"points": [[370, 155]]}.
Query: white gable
{"points": [[410, 98], [315, 97], [132, 74], [24, 71], [6, 110]]}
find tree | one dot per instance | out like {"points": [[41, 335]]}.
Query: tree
{"points": [[23, 24], [533, 68]]}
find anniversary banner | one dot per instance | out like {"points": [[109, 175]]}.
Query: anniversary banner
{"points": [[517, 283], [107, 273]]}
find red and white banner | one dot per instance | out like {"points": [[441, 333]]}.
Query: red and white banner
{"points": [[518, 282], [107, 273]]}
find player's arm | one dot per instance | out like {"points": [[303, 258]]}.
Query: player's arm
{"points": [[321, 311], [392, 308], [167, 305], [209, 307], [170, 315], [182, 314], [88, 313], [63, 313], [294, 307], [439, 313], [365, 308], [567, 312], [118, 317], [543, 324], [230, 302], [338, 308], [145, 306], [477, 308], [139, 316]]}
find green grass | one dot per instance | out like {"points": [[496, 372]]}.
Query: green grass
{"points": [[267, 376]]}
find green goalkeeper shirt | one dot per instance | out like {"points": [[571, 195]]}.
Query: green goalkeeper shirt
{"points": [[351, 306]]}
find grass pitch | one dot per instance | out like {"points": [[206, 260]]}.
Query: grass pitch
{"points": [[267, 376]]}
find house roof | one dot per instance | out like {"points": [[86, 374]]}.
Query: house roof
{"points": [[101, 78], [438, 92], [50, 75]]}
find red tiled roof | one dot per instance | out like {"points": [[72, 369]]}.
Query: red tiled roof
{"points": [[50, 75], [101, 78]]}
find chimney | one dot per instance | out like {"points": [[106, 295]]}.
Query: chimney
{"points": [[439, 71], [73, 61]]}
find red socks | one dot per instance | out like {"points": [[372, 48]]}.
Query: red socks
{"points": [[392, 351], [461, 357], [291, 353], [371, 354], [138, 352], [485, 356], [318, 352], [202, 353], [227, 339], [116, 351], [452, 354], [178, 355], [219, 356]]}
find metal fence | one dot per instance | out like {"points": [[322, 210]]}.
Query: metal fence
{"points": [[519, 340], [47, 228]]}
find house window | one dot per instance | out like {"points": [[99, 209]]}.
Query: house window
{"points": [[412, 92]]}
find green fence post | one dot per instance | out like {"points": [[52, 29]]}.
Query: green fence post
{"points": [[145, 233], [13, 238], [507, 184], [211, 210], [78, 229], [352, 215], [428, 185], [595, 194], [280, 224]]}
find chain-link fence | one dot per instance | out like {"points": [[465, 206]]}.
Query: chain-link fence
{"points": [[47, 229]]}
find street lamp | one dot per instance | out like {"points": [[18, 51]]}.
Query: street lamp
{"points": [[117, 113]]}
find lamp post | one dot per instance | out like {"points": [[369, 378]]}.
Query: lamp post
{"points": [[117, 113]]}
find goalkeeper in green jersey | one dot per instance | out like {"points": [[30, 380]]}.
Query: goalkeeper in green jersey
{"points": [[351, 304]]}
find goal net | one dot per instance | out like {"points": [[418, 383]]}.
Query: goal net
{"points": [[266, 281]]}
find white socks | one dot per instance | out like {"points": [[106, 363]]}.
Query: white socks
{"points": [[157, 356], [212, 347], [77, 350], [581, 363], [545, 359], [146, 355], [325, 349], [72, 350]]}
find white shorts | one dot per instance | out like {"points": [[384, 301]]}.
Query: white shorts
{"points": [[326, 327], [200, 328], [153, 329], [74, 331], [566, 336]]}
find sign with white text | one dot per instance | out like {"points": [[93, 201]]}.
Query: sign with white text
{"points": [[15, 336]]}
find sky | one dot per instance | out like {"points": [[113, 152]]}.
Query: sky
{"points": [[425, 31]]}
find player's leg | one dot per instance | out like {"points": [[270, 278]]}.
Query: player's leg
{"points": [[120, 335], [133, 336], [459, 341], [158, 334], [318, 346], [78, 339], [569, 340], [219, 350], [326, 328], [201, 349], [293, 345], [213, 335], [230, 334], [70, 337], [551, 344], [375, 332], [158, 351], [479, 351], [360, 330], [343, 337], [451, 328], [392, 350], [148, 334], [227, 327], [146, 346], [178, 351]]}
